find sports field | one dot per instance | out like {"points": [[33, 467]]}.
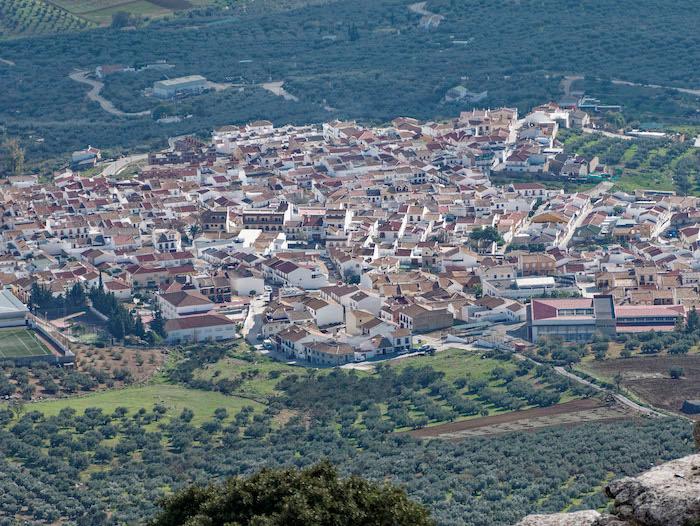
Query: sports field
{"points": [[18, 342]]}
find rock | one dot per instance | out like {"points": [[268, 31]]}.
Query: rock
{"points": [[667, 495], [579, 518], [609, 520]]}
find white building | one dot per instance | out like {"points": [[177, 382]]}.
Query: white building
{"points": [[13, 313], [200, 328], [244, 283], [165, 240], [183, 303]]}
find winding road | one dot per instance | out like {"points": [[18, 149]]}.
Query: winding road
{"points": [[94, 95], [429, 19]]}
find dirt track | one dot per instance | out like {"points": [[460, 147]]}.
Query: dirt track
{"points": [[94, 95], [575, 412], [648, 377]]}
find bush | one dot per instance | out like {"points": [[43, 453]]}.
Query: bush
{"points": [[315, 495], [675, 372]]}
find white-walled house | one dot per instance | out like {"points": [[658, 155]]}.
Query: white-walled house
{"points": [[166, 240], [200, 328], [119, 288], [290, 274], [244, 283], [324, 313], [183, 303]]}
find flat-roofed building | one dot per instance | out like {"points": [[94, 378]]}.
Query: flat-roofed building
{"points": [[200, 328], [13, 313], [190, 85], [580, 319]]}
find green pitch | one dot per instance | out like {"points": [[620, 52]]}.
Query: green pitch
{"points": [[18, 342]]}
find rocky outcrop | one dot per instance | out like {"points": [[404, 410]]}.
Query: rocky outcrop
{"points": [[579, 518], [667, 495]]}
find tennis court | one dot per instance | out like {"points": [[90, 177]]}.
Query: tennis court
{"points": [[18, 342]]}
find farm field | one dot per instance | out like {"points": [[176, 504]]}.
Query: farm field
{"points": [[21, 343], [174, 398], [656, 164], [36, 17], [648, 377], [101, 11], [568, 413]]}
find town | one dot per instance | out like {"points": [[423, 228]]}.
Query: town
{"points": [[341, 243]]}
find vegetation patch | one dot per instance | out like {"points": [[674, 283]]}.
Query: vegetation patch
{"points": [[173, 398]]}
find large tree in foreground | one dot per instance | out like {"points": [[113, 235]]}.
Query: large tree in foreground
{"points": [[315, 496]]}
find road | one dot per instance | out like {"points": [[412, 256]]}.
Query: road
{"points": [[94, 95], [567, 81], [599, 189], [620, 398], [609, 134], [277, 88], [429, 19], [252, 326], [688, 91], [572, 229], [115, 167]]}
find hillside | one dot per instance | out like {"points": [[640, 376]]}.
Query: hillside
{"points": [[36, 17], [218, 411], [369, 60]]}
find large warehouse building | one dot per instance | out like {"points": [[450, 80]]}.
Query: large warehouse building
{"points": [[170, 88], [580, 319], [13, 313]]}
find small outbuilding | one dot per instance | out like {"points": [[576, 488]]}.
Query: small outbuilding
{"points": [[691, 407]]}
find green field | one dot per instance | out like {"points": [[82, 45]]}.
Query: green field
{"points": [[20, 343], [259, 378], [174, 398]]}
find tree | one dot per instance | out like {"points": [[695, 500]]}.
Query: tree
{"points": [[75, 297], [675, 372], [618, 380], [487, 234], [693, 322], [290, 497], [11, 157], [121, 19], [193, 230], [158, 324]]}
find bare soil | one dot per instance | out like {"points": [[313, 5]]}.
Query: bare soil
{"points": [[648, 377], [141, 363], [568, 413]]}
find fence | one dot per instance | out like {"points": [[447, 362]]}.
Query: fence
{"points": [[58, 340]]}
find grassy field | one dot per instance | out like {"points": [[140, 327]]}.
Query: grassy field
{"points": [[174, 398], [20, 343], [474, 365], [456, 363], [259, 378]]}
